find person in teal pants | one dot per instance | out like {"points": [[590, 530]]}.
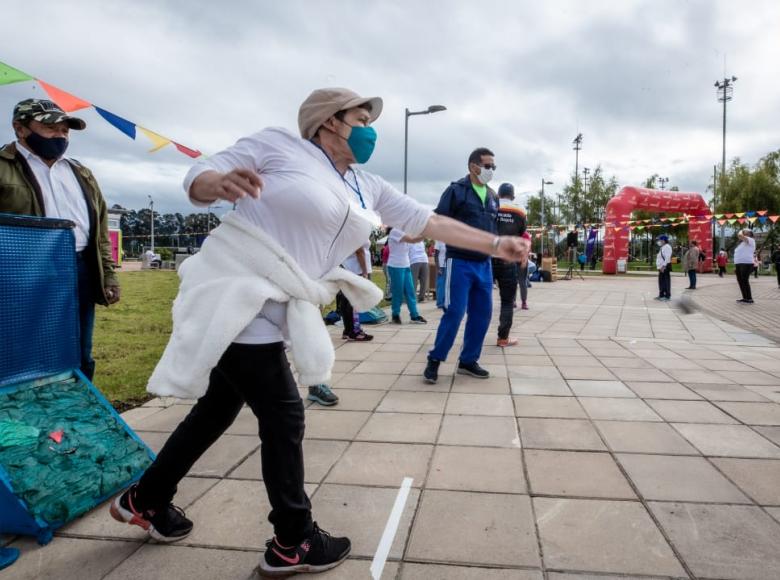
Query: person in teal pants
{"points": [[400, 273]]}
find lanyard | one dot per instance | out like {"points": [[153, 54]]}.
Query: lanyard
{"points": [[356, 187]]}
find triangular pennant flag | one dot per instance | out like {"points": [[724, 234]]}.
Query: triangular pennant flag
{"points": [[740, 215], [774, 218], [158, 141], [750, 213], [764, 212], [127, 127], [10, 75], [729, 215], [187, 151], [752, 220], [66, 101], [722, 222], [762, 219], [741, 220]]}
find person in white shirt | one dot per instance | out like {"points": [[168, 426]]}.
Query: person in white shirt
{"points": [[304, 193], [36, 179], [663, 263], [400, 272], [418, 261], [743, 264], [440, 253]]}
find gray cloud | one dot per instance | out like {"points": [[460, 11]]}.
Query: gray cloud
{"points": [[522, 78]]}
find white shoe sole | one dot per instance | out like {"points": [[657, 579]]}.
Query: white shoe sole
{"points": [[120, 514]]}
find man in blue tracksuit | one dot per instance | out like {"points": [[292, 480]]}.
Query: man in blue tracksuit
{"points": [[470, 278]]}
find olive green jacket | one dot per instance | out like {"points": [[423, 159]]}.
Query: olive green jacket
{"points": [[21, 194]]}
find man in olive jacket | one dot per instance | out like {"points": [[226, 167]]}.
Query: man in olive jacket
{"points": [[35, 179]]}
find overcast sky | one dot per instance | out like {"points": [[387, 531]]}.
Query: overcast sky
{"points": [[522, 78]]}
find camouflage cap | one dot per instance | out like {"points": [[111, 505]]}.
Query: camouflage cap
{"points": [[46, 112]]}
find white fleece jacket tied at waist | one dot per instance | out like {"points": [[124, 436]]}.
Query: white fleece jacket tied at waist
{"points": [[225, 286]]}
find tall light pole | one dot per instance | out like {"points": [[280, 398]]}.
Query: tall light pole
{"points": [[725, 92], [408, 113], [577, 146], [151, 212], [585, 172], [544, 233], [663, 181]]}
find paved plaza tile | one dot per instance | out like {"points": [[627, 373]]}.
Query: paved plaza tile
{"points": [[619, 439]]}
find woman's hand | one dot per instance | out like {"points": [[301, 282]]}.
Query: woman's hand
{"points": [[210, 186]]}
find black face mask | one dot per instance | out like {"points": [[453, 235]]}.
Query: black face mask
{"points": [[48, 148]]}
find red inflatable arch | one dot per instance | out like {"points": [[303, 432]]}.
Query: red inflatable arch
{"points": [[630, 199]]}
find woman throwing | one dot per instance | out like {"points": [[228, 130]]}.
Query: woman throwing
{"points": [[302, 208]]}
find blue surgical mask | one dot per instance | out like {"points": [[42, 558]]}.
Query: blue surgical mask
{"points": [[48, 148], [362, 141]]}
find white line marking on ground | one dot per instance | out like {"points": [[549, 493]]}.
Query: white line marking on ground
{"points": [[382, 551]]}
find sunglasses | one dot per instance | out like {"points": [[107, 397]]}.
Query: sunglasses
{"points": [[486, 166]]}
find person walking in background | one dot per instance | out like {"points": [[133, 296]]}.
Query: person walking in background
{"points": [[358, 263], [511, 221], [691, 262], [440, 255], [418, 261], [756, 264], [722, 260], [663, 263], [524, 271], [400, 272], [470, 277], [743, 264], [776, 262], [385, 255]]}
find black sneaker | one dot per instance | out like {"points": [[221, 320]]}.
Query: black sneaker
{"points": [[419, 320], [472, 369], [397, 319], [317, 553], [168, 525], [431, 372], [323, 395]]}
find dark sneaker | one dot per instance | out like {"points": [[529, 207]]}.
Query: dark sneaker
{"points": [[167, 525], [397, 319], [317, 553], [357, 337], [431, 372], [472, 369], [323, 395], [419, 320]]}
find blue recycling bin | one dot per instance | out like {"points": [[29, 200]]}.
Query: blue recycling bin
{"points": [[63, 448]]}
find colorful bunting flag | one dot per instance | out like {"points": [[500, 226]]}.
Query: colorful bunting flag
{"points": [[123, 125], [158, 141], [187, 151], [10, 75], [764, 212], [66, 101], [774, 218], [722, 222]]}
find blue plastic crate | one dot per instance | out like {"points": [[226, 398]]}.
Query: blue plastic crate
{"points": [[39, 353]]}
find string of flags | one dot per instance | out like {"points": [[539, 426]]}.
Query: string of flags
{"points": [[70, 103], [747, 217]]}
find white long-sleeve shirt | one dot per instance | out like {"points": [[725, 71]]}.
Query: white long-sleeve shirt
{"points": [[743, 254], [664, 257], [308, 208], [62, 194]]}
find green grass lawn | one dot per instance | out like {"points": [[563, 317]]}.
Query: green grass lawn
{"points": [[131, 336]]}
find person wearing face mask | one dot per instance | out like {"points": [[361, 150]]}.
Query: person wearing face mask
{"points": [[302, 207], [36, 179], [663, 262], [469, 287]]}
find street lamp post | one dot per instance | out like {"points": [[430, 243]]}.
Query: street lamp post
{"points": [[151, 211], [408, 113], [725, 94], [542, 213], [663, 181], [577, 146], [585, 173]]}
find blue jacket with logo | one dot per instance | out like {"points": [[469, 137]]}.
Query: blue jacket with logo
{"points": [[459, 201]]}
